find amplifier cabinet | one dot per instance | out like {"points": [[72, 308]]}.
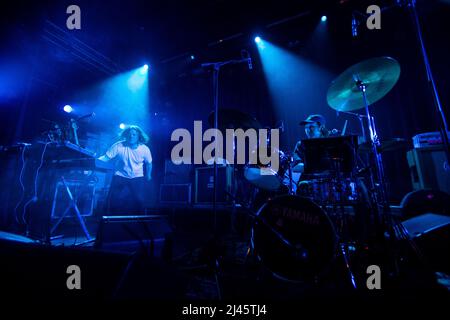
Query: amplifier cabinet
{"points": [[204, 184], [429, 169]]}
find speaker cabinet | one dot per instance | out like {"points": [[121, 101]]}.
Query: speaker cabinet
{"points": [[204, 184], [131, 233], [431, 232], [429, 169]]}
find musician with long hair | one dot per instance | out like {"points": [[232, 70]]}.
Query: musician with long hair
{"points": [[133, 166]]}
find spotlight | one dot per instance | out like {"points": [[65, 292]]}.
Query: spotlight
{"points": [[192, 57], [122, 126], [68, 108], [323, 19], [144, 69], [258, 40]]}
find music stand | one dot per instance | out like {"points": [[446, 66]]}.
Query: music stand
{"points": [[333, 155]]}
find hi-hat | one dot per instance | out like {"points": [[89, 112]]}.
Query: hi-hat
{"points": [[378, 75]]}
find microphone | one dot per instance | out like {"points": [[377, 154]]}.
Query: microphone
{"points": [[92, 114], [354, 26], [246, 56]]}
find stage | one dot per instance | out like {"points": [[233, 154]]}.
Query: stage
{"points": [[221, 151]]}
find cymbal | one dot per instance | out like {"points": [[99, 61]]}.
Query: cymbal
{"points": [[379, 75], [234, 119], [386, 145]]}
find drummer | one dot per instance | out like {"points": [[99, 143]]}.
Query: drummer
{"points": [[314, 128]]}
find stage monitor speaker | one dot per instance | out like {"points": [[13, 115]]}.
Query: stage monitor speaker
{"points": [[429, 168], [132, 233], [204, 184], [418, 202], [431, 232]]}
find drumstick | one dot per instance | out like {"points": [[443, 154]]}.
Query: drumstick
{"points": [[345, 128]]}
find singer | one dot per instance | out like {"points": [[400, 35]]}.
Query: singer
{"points": [[126, 193]]}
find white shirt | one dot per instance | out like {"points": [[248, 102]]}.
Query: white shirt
{"points": [[129, 162]]}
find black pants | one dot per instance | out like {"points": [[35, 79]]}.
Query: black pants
{"points": [[126, 196]]}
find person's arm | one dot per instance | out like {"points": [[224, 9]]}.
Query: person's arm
{"points": [[110, 154], [297, 157], [148, 171], [148, 164]]}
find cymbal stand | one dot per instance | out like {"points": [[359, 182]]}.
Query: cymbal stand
{"points": [[383, 219], [375, 142]]}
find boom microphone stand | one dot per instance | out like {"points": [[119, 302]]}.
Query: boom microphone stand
{"points": [[216, 69], [443, 127]]}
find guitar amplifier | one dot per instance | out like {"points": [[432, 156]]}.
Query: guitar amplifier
{"points": [[204, 184], [429, 168], [428, 139]]}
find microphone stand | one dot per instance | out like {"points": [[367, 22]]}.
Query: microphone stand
{"points": [[216, 69], [443, 127], [361, 121]]}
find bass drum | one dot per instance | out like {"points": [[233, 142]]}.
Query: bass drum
{"points": [[294, 238]]}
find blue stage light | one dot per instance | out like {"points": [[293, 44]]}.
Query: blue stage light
{"points": [[144, 69], [68, 108], [258, 40], [122, 126], [323, 19], [192, 57]]}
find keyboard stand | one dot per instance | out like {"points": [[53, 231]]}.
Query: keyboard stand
{"points": [[72, 205]]}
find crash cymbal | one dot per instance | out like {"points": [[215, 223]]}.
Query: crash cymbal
{"points": [[379, 75], [386, 145], [234, 119]]}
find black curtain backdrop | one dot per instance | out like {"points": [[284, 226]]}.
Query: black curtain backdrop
{"points": [[180, 95]]}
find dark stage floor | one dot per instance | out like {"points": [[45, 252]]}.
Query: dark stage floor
{"points": [[187, 264]]}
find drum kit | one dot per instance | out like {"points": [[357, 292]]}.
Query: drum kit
{"points": [[296, 233]]}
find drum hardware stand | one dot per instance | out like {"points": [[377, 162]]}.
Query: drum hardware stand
{"points": [[344, 241], [291, 186], [383, 223]]}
